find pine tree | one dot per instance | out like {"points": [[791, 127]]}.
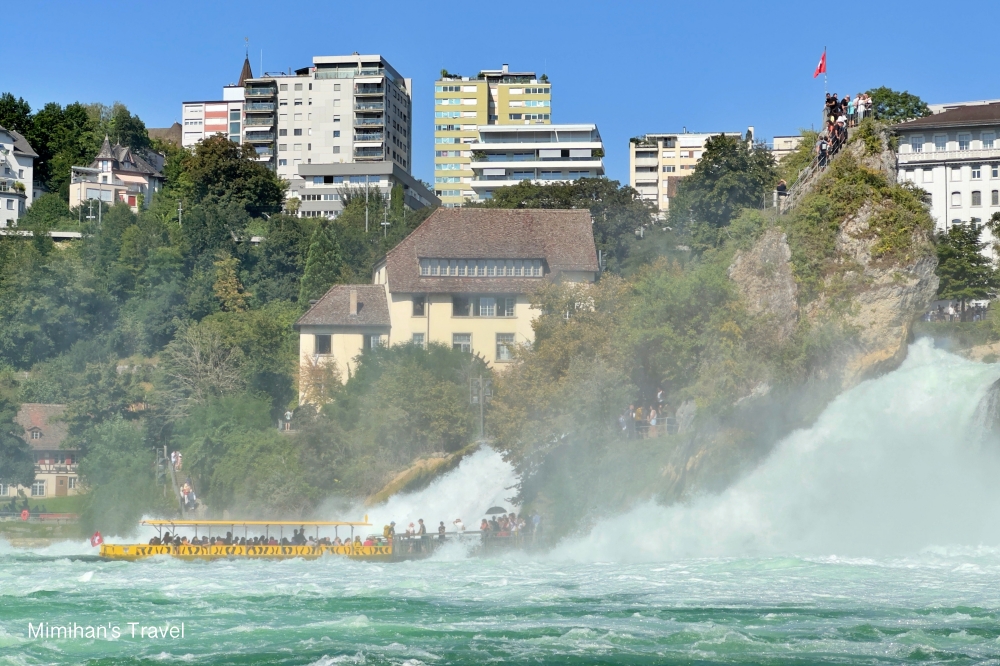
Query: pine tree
{"points": [[17, 464], [323, 265], [965, 273]]}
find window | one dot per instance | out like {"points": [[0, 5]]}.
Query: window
{"points": [[10, 203], [297, 116], [282, 132], [956, 174], [298, 86], [977, 171], [988, 138], [282, 162], [995, 171], [669, 169], [309, 146], [956, 199], [72, 483], [336, 134], [296, 146], [941, 142], [977, 198], [462, 342], [283, 87], [908, 175], [964, 141], [928, 176], [336, 119], [282, 146], [336, 87], [336, 149], [419, 341], [505, 346], [995, 198], [917, 144], [3, 490], [36, 434], [487, 306], [323, 344], [419, 305], [38, 489], [297, 132]]}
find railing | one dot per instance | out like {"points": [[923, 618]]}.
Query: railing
{"points": [[374, 136], [809, 174], [369, 90], [260, 92], [985, 154], [368, 153], [260, 136], [358, 122], [264, 154], [664, 426], [254, 121], [369, 106], [259, 106], [55, 468]]}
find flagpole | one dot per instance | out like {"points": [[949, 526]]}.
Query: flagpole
{"points": [[826, 88]]}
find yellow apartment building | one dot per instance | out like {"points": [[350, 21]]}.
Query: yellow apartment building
{"points": [[463, 278], [462, 104]]}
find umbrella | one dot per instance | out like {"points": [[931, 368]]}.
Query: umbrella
{"points": [[493, 510]]}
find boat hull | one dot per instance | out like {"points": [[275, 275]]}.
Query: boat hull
{"points": [[133, 552]]}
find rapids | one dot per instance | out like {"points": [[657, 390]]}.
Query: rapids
{"points": [[871, 537]]}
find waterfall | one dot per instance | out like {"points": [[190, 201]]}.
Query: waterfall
{"points": [[892, 466]]}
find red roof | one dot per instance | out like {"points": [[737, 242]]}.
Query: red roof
{"points": [[47, 420]]}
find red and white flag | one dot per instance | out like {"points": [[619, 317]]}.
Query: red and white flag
{"points": [[96, 540], [821, 67]]}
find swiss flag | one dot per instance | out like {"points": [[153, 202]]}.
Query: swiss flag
{"points": [[821, 67], [96, 540]]}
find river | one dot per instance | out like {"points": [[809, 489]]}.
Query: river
{"points": [[871, 537]]}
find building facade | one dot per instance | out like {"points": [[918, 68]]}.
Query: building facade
{"points": [[463, 278], [342, 109], [508, 154], [783, 146], [463, 105], [17, 171], [321, 187], [955, 157], [205, 118], [657, 161], [117, 174], [55, 462]]}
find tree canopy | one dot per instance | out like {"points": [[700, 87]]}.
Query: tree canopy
{"points": [[965, 273], [892, 106]]}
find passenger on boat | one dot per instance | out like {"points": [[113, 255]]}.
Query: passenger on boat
{"points": [[357, 541], [337, 541], [484, 526], [422, 530], [369, 541], [155, 541], [410, 531], [441, 530], [459, 525]]}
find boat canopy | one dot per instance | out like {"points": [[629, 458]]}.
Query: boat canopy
{"points": [[247, 523]]}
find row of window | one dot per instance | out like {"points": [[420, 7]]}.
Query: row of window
{"points": [[452, 153], [448, 193], [531, 102], [956, 173], [455, 114], [986, 142], [529, 91], [320, 197], [455, 88], [528, 116], [481, 267], [454, 128], [977, 198], [460, 341], [38, 487]]}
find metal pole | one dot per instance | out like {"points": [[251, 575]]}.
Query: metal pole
{"points": [[482, 409]]}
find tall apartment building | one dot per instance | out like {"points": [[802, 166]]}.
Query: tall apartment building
{"points": [[658, 161], [462, 105], [507, 154]]}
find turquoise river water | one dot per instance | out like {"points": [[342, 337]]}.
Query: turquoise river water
{"points": [[873, 537]]}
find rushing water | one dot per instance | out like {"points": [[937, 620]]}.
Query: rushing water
{"points": [[872, 537]]}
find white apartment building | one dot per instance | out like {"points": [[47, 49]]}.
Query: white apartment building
{"points": [[657, 161], [954, 155], [505, 155], [321, 187], [17, 170], [342, 109]]}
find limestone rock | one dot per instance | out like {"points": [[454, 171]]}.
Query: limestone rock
{"points": [[764, 277]]}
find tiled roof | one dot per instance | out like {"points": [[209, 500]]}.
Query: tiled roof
{"points": [[45, 418], [21, 145], [975, 114], [564, 239], [334, 308], [118, 153]]}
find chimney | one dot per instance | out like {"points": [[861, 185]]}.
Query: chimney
{"points": [[354, 303], [505, 68]]}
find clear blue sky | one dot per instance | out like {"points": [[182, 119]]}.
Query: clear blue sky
{"points": [[631, 67]]}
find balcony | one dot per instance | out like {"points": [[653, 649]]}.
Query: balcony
{"points": [[363, 89], [369, 122], [55, 468], [264, 155], [259, 121], [369, 136], [646, 161], [258, 107], [368, 154], [369, 106], [260, 137], [259, 92], [979, 154]]}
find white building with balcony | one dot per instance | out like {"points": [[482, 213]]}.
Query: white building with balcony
{"points": [[17, 167], [954, 155], [505, 155]]}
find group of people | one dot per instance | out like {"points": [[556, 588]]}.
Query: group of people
{"points": [[177, 460], [951, 313], [506, 525], [298, 538], [850, 111], [187, 494], [639, 421]]}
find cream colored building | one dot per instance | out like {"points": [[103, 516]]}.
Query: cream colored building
{"points": [[17, 168], [463, 104], [117, 174], [657, 161], [55, 463], [463, 278]]}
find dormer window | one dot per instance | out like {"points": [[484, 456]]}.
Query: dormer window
{"points": [[481, 267], [36, 434]]}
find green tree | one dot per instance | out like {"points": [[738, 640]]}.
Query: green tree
{"points": [[224, 173], [324, 265], [17, 464], [965, 273], [63, 138], [15, 114], [730, 176], [892, 107]]}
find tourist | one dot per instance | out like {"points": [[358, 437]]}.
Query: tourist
{"points": [[459, 525], [484, 526], [368, 541], [441, 530], [422, 529]]}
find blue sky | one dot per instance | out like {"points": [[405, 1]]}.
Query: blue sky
{"points": [[631, 67]]}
